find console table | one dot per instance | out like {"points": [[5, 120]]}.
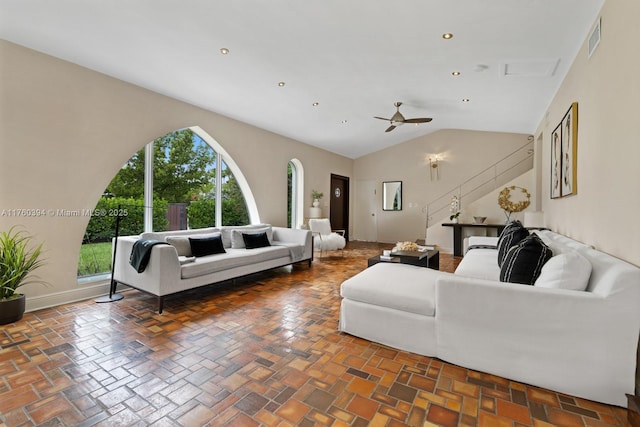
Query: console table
{"points": [[458, 237]]}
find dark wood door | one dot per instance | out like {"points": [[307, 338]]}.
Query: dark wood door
{"points": [[339, 204]]}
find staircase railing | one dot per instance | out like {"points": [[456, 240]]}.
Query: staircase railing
{"points": [[504, 170]]}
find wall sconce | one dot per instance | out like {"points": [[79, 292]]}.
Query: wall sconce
{"points": [[434, 171]]}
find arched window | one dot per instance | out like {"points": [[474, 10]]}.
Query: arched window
{"points": [[295, 190], [181, 180]]}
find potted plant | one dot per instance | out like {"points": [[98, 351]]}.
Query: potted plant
{"points": [[316, 196], [17, 262]]}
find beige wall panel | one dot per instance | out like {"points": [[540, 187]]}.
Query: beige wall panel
{"points": [[607, 89], [464, 154]]}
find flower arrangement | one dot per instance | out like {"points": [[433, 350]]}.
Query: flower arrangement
{"points": [[316, 195], [454, 208], [505, 203]]}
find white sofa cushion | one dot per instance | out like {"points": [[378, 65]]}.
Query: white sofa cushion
{"points": [[569, 270], [481, 264], [559, 243], [398, 286], [232, 258]]}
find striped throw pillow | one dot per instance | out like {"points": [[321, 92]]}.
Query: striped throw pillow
{"points": [[512, 234], [524, 261]]}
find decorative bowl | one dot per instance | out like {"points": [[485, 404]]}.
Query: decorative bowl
{"points": [[479, 219]]}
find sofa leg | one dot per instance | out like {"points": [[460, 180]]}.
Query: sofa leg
{"points": [[160, 304]]}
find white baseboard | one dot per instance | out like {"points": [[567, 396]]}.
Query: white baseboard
{"points": [[65, 297]]}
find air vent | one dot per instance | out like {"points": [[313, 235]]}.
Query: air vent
{"points": [[530, 68], [594, 38]]}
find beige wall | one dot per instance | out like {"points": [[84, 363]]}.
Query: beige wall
{"points": [[464, 153], [484, 206], [607, 89], [65, 131]]}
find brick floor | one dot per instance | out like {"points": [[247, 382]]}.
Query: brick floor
{"points": [[262, 351]]}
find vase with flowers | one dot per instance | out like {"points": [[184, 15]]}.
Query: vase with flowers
{"points": [[454, 208]]}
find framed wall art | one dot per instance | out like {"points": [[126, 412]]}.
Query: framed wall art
{"points": [[569, 151], [556, 159], [564, 150]]}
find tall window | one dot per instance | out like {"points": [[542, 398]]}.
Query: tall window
{"points": [[291, 199], [175, 182], [295, 188]]}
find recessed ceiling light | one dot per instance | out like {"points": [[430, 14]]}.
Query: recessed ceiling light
{"points": [[281, 84], [447, 36], [224, 51], [315, 104], [456, 73], [344, 122], [466, 100]]}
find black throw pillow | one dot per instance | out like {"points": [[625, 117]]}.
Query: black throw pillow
{"points": [[255, 240], [524, 261], [513, 233], [206, 245]]}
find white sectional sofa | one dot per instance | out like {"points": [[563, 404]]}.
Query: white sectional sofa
{"points": [[172, 268], [579, 342]]}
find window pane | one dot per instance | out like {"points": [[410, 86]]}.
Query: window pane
{"points": [[201, 206], [290, 194], [183, 172], [123, 197], [234, 207]]}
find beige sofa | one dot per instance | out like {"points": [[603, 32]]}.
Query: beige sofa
{"points": [[172, 269]]}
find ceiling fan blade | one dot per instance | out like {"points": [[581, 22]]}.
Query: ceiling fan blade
{"points": [[390, 128], [419, 120], [381, 118]]}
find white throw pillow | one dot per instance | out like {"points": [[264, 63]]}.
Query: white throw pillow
{"points": [[227, 233], [568, 270], [237, 242], [181, 243]]}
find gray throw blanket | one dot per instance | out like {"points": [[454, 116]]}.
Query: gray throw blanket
{"points": [[141, 252]]}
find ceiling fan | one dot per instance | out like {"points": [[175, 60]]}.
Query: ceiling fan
{"points": [[398, 119]]}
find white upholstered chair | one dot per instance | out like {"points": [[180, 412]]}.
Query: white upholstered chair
{"points": [[324, 238]]}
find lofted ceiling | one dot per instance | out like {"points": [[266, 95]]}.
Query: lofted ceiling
{"points": [[354, 58]]}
